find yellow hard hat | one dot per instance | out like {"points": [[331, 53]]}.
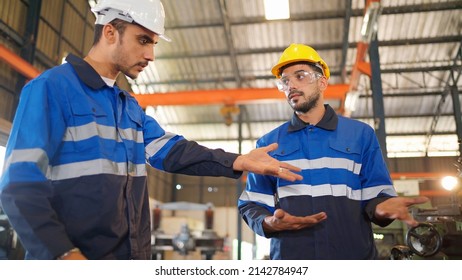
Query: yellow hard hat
{"points": [[300, 52]]}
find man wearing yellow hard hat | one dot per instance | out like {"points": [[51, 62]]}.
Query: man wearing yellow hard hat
{"points": [[345, 187]]}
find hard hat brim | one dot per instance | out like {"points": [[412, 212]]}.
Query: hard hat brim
{"points": [[165, 38], [276, 68]]}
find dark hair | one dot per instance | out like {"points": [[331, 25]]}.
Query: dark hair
{"points": [[118, 24], [314, 67]]}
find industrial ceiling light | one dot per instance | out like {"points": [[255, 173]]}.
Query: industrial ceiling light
{"points": [[276, 9], [449, 183], [370, 21]]}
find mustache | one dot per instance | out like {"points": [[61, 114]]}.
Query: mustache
{"points": [[142, 64], [294, 92]]}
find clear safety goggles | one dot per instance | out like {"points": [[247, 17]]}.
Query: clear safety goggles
{"points": [[299, 78]]}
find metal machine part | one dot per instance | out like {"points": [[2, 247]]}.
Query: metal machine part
{"points": [[183, 242], [439, 232], [208, 242], [400, 252], [424, 240], [5, 237], [10, 247], [438, 235]]}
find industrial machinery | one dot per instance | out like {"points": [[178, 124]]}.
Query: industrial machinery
{"points": [[10, 247], [208, 242], [439, 233]]}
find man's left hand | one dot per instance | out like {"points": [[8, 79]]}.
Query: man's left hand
{"points": [[397, 208]]}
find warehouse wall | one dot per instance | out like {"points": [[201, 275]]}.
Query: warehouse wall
{"points": [[64, 26]]}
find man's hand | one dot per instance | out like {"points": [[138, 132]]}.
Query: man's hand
{"points": [[75, 255], [397, 208], [258, 161], [282, 220]]}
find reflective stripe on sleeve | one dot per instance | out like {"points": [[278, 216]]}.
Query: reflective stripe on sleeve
{"points": [[157, 144], [37, 156], [258, 197], [369, 193]]}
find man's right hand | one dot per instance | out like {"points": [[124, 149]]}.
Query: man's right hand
{"points": [[281, 220]]}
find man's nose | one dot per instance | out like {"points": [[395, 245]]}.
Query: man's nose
{"points": [[149, 54]]}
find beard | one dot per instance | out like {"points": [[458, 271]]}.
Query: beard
{"points": [[119, 58], [309, 104]]}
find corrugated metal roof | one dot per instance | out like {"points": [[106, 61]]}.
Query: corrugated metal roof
{"points": [[418, 44]]}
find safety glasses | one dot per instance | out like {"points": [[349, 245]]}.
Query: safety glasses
{"points": [[299, 78]]}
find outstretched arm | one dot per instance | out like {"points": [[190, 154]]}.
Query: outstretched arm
{"points": [[397, 208], [258, 161]]}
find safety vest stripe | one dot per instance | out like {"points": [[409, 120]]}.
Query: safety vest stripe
{"points": [[95, 167], [132, 134], [335, 190], [86, 131], [257, 197], [327, 162], [157, 144], [36, 155]]}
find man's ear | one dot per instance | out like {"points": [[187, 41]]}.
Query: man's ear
{"points": [[109, 33], [323, 82]]}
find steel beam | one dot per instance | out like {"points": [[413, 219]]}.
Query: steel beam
{"points": [[377, 96], [232, 96], [28, 48], [451, 87], [346, 29], [17, 63], [226, 96]]}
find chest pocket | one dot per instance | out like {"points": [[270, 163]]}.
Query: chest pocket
{"points": [[84, 125], [345, 147], [132, 122], [287, 152], [83, 108], [349, 153], [134, 112]]}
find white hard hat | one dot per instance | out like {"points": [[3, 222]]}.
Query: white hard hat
{"points": [[147, 13]]}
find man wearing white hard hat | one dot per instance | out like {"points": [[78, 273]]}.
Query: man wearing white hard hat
{"points": [[74, 183]]}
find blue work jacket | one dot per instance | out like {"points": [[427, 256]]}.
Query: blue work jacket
{"points": [[75, 170], [344, 175]]}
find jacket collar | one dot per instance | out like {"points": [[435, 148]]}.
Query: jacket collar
{"points": [[85, 72], [328, 122]]}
